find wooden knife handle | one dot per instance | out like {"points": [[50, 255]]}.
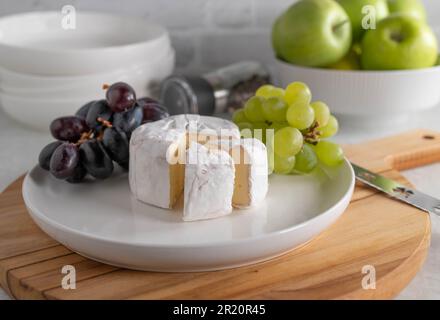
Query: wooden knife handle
{"points": [[422, 149]]}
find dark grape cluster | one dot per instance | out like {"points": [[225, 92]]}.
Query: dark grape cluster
{"points": [[98, 135]]}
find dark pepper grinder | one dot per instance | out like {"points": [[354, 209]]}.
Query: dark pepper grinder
{"points": [[221, 91]]}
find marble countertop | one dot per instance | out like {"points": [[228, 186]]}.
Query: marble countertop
{"points": [[19, 148]]}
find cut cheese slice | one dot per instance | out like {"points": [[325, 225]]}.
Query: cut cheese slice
{"points": [[152, 178], [209, 183], [251, 173], [251, 170]]}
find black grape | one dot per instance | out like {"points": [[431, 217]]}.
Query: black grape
{"points": [[116, 143], [82, 112], [129, 120], [99, 109], [68, 128], [46, 154], [78, 175], [64, 161], [145, 100], [95, 159], [120, 97], [124, 165], [153, 111]]}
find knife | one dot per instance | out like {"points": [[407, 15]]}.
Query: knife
{"points": [[397, 190]]}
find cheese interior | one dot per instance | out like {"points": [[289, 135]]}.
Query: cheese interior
{"points": [[177, 172], [241, 196], [177, 178]]}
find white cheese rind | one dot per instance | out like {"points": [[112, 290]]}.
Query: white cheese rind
{"points": [[258, 170], [209, 183], [149, 174]]}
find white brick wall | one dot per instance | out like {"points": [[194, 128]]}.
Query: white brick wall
{"points": [[205, 33]]}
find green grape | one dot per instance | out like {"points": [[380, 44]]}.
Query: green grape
{"points": [[274, 109], [322, 113], [270, 143], [283, 165], [245, 125], [300, 115], [330, 129], [246, 129], [270, 153], [239, 116], [269, 91], [306, 160], [288, 142], [260, 131], [264, 91], [270, 163], [329, 153], [297, 92], [253, 109], [278, 93], [278, 125]]}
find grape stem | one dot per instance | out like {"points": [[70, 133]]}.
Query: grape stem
{"points": [[104, 122], [311, 135], [84, 137]]}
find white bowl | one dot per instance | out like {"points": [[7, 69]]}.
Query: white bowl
{"points": [[32, 86], [38, 112], [37, 43], [368, 95]]}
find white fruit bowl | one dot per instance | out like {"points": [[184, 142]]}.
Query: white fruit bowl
{"points": [[370, 96], [37, 43]]}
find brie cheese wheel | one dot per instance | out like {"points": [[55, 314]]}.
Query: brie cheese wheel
{"points": [[209, 183], [251, 170], [158, 153]]}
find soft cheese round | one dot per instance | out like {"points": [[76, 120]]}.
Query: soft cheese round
{"points": [[151, 146]]}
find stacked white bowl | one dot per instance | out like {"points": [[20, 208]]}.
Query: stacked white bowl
{"points": [[48, 71]]}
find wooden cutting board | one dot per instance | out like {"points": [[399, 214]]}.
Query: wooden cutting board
{"points": [[390, 236]]}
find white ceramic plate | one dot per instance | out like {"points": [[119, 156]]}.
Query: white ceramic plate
{"points": [[101, 220]]}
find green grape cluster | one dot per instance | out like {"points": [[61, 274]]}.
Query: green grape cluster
{"points": [[299, 127]]}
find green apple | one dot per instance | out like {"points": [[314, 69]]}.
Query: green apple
{"points": [[351, 61], [355, 10], [399, 42], [412, 7], [312, 33]]}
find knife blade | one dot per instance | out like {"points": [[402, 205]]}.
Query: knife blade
{"points": [[398, 191]]}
